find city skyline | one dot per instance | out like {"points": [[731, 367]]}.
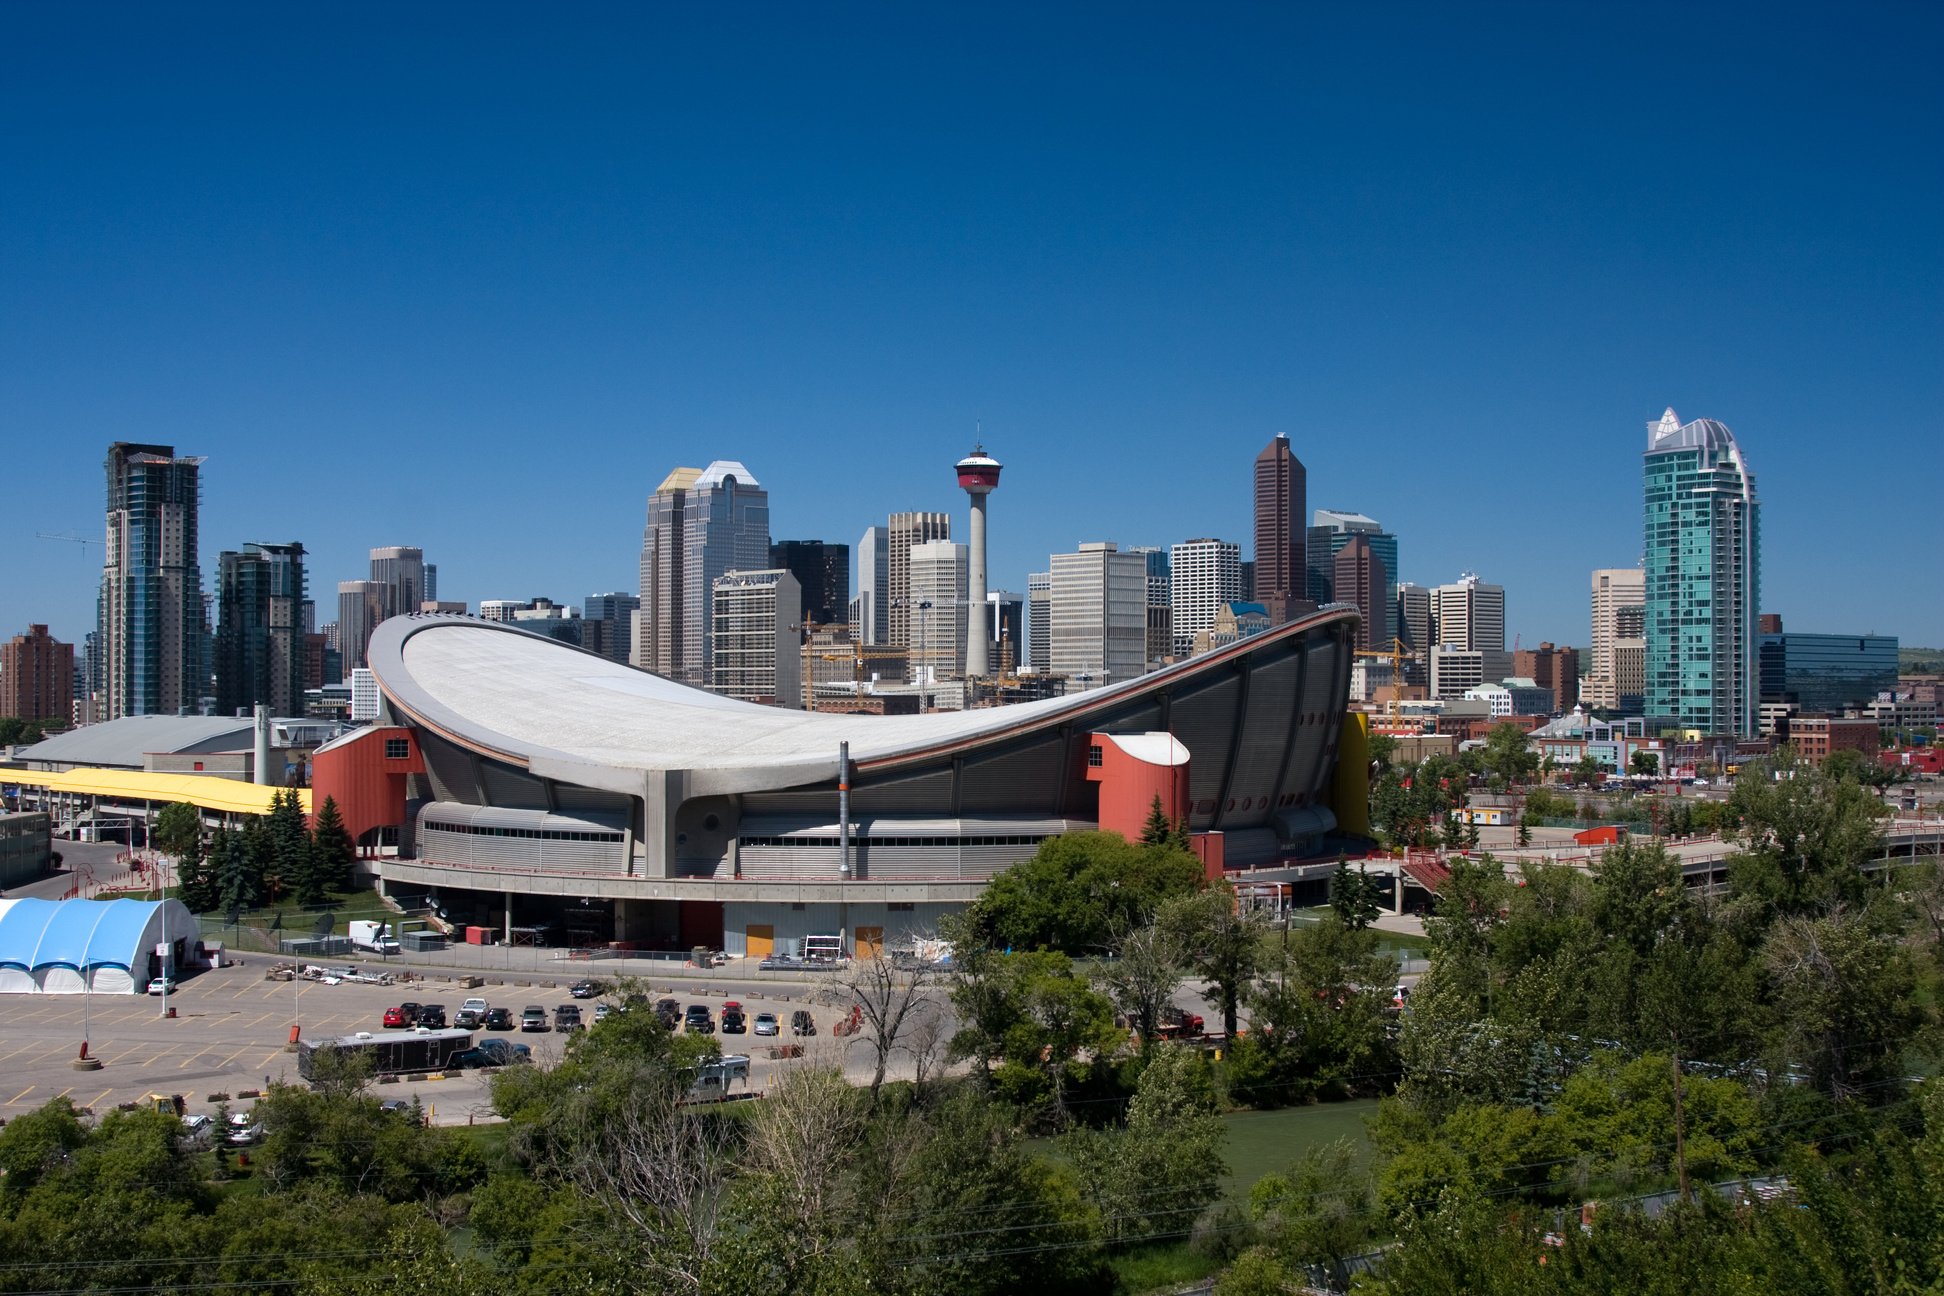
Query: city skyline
{"points": [[1133, 280]]}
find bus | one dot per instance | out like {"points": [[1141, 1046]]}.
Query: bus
{"points": [[391, 1052]]}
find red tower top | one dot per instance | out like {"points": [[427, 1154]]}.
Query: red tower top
{"points": [[978, 472]]}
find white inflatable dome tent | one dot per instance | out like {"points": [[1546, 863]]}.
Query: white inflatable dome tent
{"points": [[103, 946]]}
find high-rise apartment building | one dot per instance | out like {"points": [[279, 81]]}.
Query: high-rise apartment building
{"points": [[822, 571], [1414, 624], [261, 599], [1204, 576], [938, 580], [1825, 672], [1359, 576], [150, 615], [1281, 569], [1330, 530], [906, 530], [1160, 604], [1703, 566], [873, 600], [1616, 591], [614, 613], [1039, 621], [754, 642], [36, 676], [1469, 614], [702, 524], [1006, 615], [361, 606], [1098, 610]]}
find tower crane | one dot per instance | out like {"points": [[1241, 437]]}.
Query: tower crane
{"points": [[1397, 654], [71, 538]]}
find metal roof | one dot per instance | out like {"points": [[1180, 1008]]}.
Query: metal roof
{"points": [[125, 741], [205, 790]]}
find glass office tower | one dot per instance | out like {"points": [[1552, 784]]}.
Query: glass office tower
{"points": [[1703, 568]]}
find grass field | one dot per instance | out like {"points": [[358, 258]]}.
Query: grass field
{"points": [[1262, 1142]]}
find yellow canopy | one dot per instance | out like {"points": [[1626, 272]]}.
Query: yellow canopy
{"points": [[204, 790]]}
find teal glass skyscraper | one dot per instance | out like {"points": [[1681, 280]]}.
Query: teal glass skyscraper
{"points": [[1702, 559]]}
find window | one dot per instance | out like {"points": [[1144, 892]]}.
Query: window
{"points": [[1094, 756], [397, 748]]}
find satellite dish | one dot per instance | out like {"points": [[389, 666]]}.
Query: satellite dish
{"points": [[322, 927]]}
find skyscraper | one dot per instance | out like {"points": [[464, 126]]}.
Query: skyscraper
{"points": [[37, 676], [754, 656], [1469, 614], [615, 614], [1281, 575], [1330, 530], [1204, 576], [1703, 576], [150, 615], [1160, 604], [907, 529], [822, 572], [1615, 590], [361, 606], [938, 583], [1039, 621], [702, 524], [1098, 613], [401, 570], [260, 649], [1359, 576], [1414, 628], [874, 586]]}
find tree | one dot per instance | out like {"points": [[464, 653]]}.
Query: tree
{"points": [[1318, 1212], [1037, 1016], [1077, 891], [1807, 835], [1588, 772], [1508, 754], [234, 873], [1644, 763], [1355, 896], [1142, 978], [336, 854], [1150, 1179], [1159, 830], [178, 830], [892, 999], [1225, 944]]}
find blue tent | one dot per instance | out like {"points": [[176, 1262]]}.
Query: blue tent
{"points": [[108, 946]]}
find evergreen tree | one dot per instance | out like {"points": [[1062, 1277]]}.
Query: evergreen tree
{"points": [[336, 853], [1354, 895], [196, 879], [1157, 831], [237, 877]]}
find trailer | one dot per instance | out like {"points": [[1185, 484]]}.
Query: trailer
{"points": [[391, 1052]]}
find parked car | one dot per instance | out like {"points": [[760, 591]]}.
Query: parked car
{"points": [[242, 1130], [475, 1005], [583, 989], [766, 1023], [670, 1011], [491, 1053], [567, 1017], [466, 1020], [604, 1011], [802, 1023], [431, 1017], [698, 1020], [410, 1011], [198, 1131], [395, 1019], [499, 1019], [163, 985], [734, 1023], [533, 1018], [394, 1107]]}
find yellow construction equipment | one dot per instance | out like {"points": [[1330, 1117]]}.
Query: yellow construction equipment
{"points": [[1397, 654]]}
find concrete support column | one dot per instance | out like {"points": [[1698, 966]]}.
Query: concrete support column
{"points": [[977, 636], [1397, 890], [507, 939]]}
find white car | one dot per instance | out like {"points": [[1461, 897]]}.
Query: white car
{"points": [[198, 1130], [163, 985], [243, 1130], [475, 1005]]}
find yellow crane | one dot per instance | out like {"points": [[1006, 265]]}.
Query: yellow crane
{"points": [[1397, 654], [857, 654]]}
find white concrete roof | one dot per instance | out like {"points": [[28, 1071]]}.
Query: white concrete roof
{"points": [[1152, 748], [557, 709]]}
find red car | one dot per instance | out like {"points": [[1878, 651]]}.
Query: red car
{"points": [[395, 1019]]}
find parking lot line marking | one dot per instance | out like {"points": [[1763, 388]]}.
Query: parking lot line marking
{"points": [[64, 1093], [22, 1049], [268, 1058], [22, 1094], [232, 1057], [245, 990], [97, 1099], [157, 1058], [261, 1018]]}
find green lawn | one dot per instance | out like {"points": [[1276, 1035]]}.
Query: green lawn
{"points": [[1260, 1142], [301, 920]]}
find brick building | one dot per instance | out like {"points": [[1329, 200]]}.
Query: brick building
{"points": [[37, 677], [1551, 668]]}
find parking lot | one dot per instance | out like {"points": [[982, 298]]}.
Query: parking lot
{"points": [[231, 1026]]}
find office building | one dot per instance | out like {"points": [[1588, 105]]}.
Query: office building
{"points": [[1233, 621], [361, 606], [756, 638], [614, 615], [1160, 604], [364, 695], [871, 622], [260, 642], [1248, 579], [1552, 668], [1330, 530], [1281, 570], [543, 616], [37, 677], [1098, 611], [1617, 592], [1205, 575], [906, 530], [1455, 670], [937, 580], [1360, 578], [500, 610], [401, 570], [822, 572], [703, 523], [1703, 568], [1414, 624], [1825, 672], [1469, 614], [150, 616], [1006, 614], [1039, 621]]}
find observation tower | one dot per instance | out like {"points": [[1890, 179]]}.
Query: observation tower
{"points": [[978, 476]]}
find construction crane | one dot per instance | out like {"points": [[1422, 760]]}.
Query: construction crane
{"points": [[71, 538], [1397, 654], [857, 655]]}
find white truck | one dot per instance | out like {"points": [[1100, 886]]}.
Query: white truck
{"points": [[373, 937]]}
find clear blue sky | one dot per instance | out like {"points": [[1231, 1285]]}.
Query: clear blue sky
{"points": [[475, 277]]}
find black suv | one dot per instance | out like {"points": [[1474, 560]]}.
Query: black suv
{"points": [[670, 1011], [499, 1019], [697, 1020], [567, 1017], [582, 989], [802, 1023], [432, 1016], [733, 1022], [410, 1012]]}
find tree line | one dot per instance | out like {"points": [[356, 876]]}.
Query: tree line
{"points": [[272, 857]]}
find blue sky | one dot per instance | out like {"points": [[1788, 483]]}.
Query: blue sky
{"points": [[476, 277]]}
